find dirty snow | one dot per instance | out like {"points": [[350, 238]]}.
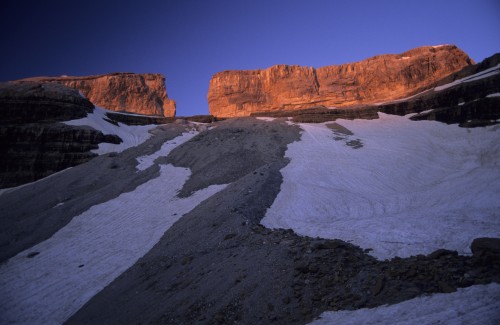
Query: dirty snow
{"points": [[473, 305], [92, 250], [132, 135], [412, 188]]}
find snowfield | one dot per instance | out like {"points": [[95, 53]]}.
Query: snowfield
{"points": [[412, 188], [94, 248]]}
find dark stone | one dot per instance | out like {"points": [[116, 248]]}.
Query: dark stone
{"points": [[33, 102], [32, 254], [441, 252], [484, 246]]}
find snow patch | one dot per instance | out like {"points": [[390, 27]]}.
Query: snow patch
{"points": [[412, 188], [92, 250], [147, 161], [473, 305], [132, 135], [267, 119], [493, 95]]}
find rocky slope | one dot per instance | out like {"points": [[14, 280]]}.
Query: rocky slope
{"points": [[127, 92], [33, 144], [377, 79]]}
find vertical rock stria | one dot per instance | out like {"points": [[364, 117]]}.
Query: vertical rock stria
{"points": [[126, 92], [377, 79]]}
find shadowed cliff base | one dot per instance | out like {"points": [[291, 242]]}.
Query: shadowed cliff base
{"points": [[136, 119]]}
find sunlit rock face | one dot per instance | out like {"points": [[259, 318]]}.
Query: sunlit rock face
{"points": [[377, 79], [125, 92]]}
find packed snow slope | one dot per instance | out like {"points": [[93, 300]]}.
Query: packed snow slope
{"points": [[392, 185], [95, 247]]}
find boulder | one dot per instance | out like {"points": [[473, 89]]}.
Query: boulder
{"points": [[485, 246]]}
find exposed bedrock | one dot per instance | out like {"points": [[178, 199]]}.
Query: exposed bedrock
{"points": [[126, 92], [31, 102], [377, 79], [33, 142], [469, 97], [473, 102]]}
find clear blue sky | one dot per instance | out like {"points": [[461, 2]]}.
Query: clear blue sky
{"points": [[189, 41]]}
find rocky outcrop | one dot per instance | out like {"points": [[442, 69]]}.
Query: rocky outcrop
{"points": [[35, 102], [125, 92], [469, 97], [321, 114], [380, 78], [33, 144]]}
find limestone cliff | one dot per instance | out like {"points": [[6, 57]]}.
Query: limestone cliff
{"points": [[377, 79], [126, 92]]}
